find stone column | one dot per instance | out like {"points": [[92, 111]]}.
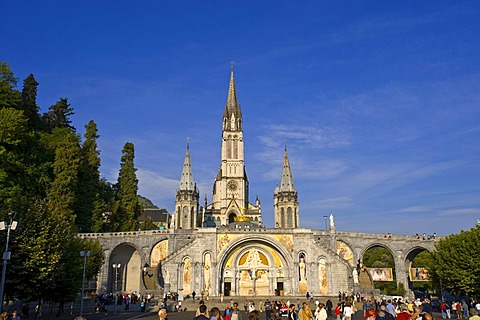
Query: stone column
{"points": [[236, 277], [271, 278], [102, 282], [214, 275], [401, 272]]}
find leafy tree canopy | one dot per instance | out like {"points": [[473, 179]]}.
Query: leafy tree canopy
{"points": [[456, 262]]}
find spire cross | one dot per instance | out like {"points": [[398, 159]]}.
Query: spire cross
{"points": [[232, 65]]}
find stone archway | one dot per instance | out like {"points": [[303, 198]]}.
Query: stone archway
{"points": [[382, 267], [417, 276], [125, 264], [252, 267]]}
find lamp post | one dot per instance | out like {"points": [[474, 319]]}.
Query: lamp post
{"points": [[11, 225], [325, 219], [83, 254], [116, 266]]}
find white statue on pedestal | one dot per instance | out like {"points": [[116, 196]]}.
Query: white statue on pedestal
{"points": [[355, 275], [332, 223]]}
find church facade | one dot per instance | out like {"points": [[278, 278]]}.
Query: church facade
{"points": [[223, 248]]}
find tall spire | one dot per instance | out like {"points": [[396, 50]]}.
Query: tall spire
{"points": [[186, 181], [232, 116], [286, 181]]}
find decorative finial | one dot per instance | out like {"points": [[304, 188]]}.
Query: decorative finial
{"points": [[188, 142], [232, 65]]}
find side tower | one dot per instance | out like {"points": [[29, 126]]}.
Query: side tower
{"points": [[230, 189], [187, 199], [285, 199]]}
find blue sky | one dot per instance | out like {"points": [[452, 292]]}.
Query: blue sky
{"points": [[378, 101]]}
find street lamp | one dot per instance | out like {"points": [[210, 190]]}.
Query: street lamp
{"points": [[83, 254], [12, 225], [325, 219], [116, 266]]}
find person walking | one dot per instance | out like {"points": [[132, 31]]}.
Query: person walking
{"points": [[268, 309], [321, 314], [305, 313], [348, 311], [292, 315]]}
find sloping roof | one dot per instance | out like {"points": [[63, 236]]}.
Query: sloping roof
{"points": [[157, 215]]}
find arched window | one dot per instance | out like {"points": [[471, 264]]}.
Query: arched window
{"points": [[235, 148], [184, 219], [282, 218], [192, 218], [290, 223]]}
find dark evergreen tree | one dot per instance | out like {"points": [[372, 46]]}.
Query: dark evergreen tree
{"points": [[88, 178], [59, 116], [29, 103], [62, 194], [127, 208]]}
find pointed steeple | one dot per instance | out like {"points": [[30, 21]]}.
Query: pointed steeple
{"points": [[232, 115], [186, 181], [286, 181]]}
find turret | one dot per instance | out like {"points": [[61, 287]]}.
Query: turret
{"points": [[285, 198], [187, 199]]}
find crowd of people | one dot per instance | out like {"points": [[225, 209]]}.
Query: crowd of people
{"points": [[345, 309]]}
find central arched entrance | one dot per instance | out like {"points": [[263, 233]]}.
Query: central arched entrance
{"points": [[254, 268]]}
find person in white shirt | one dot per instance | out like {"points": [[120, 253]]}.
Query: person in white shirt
{"points": [[348, 311], [320, 312]]}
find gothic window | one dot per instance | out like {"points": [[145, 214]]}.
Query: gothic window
{"points": [[289, 218], [185, 215], [235, 148], [229, 147], [282, 218], [192, 218]]}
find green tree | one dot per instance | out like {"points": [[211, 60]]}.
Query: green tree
{"points": [[29, 103], [127, 208], [39, 174], [48, 247], [456, 262], [62, 193], [23, 174], [9, 96], [58, 116], [89, 178]]}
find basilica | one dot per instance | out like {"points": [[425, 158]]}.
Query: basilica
{"points": [[222, 248]]}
